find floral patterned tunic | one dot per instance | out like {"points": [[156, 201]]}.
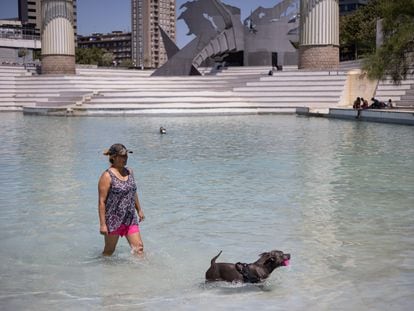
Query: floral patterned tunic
{"points": [[120, 202]]}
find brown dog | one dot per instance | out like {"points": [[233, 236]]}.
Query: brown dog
{"points": [[248, 273]]}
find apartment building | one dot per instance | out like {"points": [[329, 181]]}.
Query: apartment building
{"points": [[116, 42], [30, 13], [146, 17]]}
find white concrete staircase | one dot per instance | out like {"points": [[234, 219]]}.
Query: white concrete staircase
{"points": [[194, 94], [8, 75], [241, 90], [314, 89], [237, 91], [401, 94]]}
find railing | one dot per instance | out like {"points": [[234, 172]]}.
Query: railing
{"points": [[19, 36]]}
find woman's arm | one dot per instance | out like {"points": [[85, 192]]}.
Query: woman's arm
{"points": [[103, 189], [138, 208], [137, 205]]}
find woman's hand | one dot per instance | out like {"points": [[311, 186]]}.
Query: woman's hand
{"points": [[103, 229], [141, 215]]}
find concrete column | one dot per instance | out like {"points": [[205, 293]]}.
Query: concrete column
{"points": [[58, 37], [319, 34]]}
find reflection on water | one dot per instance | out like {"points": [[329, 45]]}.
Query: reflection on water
{"points": [[336, 195]]}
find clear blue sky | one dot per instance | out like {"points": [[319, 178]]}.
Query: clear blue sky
{"points": [[107, 15]]}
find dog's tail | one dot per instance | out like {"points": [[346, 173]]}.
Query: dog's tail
{"points": [[213, 261]]}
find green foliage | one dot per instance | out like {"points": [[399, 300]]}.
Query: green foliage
{"points": [[22, 52], [91, 56], [396, 55], [126, 63], [357, 31], [37, 54], [106, 59]]}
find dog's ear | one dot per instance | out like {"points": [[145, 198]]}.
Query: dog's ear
{"points": [[264, 254]]}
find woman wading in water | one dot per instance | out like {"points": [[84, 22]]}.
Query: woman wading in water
{"points": [[118, 201]]}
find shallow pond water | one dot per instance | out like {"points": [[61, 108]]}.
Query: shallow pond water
{"points": [[337, 195]]}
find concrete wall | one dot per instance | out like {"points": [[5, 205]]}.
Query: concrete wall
{"points": [[11, 55], [357, 85]]}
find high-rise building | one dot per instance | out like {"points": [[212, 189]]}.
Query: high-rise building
{"points": [[146, 17], [348, 6], [30, 13]]}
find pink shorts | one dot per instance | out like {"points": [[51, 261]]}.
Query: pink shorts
{"points": [[125, 230]]}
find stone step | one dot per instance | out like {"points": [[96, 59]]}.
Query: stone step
{"points": [[410, 92], [7, 99], [10, 108], [386, 87], [34, 90], [101, 77], [179, 93], [114, 71], [54, 103], [7, 103], [339, 83], [390, 93], [303, 78], [116, 88], [31, 99], [122, 83], [200, 105], [289, 68], [239, 74], [406, 102], [10, 83], [299, 93], [43, 91], [164, 93], [241, 67], [103, 100], [386, 98], [403, 82], [129, 81], [312, 73], [407, 97], [13, 74], [11, 69], [294, 88], [181, 78]]}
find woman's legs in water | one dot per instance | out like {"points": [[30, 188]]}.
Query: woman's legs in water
{"points": [[110, 244], [135, 242]]}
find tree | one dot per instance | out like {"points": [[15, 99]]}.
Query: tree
{"points": [[357, 31], [396, 55], [37, 54], [106, 59], [89, 56], [23, 52], [126, 63]]}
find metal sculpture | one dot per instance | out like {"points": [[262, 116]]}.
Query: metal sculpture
{"points": [[219, 33]]}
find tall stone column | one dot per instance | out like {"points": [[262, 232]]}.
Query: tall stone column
{"points": [[58, 37], [319, 34]]}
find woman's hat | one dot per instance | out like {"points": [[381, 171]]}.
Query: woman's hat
{"points": [[117, 149]]}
